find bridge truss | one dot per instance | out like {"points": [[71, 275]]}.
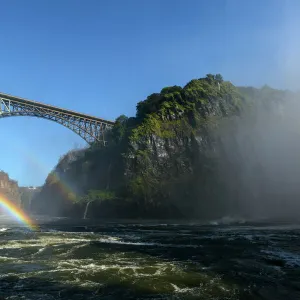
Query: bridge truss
{"points": [[90, 128]]}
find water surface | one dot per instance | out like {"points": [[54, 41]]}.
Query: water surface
{"points": [[83, 260]]}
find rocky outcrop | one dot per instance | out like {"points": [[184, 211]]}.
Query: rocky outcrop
{"points": [[152, 161], [203, 151], [9, 188], [57, 195]]}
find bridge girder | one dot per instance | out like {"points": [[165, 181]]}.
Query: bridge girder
{"points": [[91, 129]]}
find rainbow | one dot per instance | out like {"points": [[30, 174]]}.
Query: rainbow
{"points": [[65, 189], [17, 213]]}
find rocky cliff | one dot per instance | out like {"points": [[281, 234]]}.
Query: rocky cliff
{"points": [[203, 151], [26, 195], [9, 188], [152, 161]]}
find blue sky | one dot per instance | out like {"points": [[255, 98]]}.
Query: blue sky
{"points": [[103, 56]]}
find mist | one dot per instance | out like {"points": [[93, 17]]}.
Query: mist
{"points": [[260, 159]]}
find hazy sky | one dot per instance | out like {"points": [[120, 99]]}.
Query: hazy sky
{"points": [[103, 56]]}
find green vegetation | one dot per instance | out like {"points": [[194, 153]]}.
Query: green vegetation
{"points": [[162, 163]]}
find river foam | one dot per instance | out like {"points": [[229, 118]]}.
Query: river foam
{"points": [[120, 261]]}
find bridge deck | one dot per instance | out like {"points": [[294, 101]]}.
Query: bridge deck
{"points": [[66, 111]]}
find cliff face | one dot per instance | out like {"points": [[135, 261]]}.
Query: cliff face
{"points": [[153, 160], [9, 188], [26, 196], [56, 197], [201, 151]]}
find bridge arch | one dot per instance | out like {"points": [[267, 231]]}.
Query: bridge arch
{"points": [[91, 129]]}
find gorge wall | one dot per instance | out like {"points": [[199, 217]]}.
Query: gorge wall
{"points": [[26, 196], [205, 150], [9, 188]]}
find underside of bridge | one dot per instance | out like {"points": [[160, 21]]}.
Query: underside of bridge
{"points": [[90, 128]]}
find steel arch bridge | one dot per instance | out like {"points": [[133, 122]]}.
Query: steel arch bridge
{"points": [[91, 129]]}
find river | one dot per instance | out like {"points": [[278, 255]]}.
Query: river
{"points": [[69, 260]]}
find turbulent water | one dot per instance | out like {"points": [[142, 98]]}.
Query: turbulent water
{"points": [[126, 260]]}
